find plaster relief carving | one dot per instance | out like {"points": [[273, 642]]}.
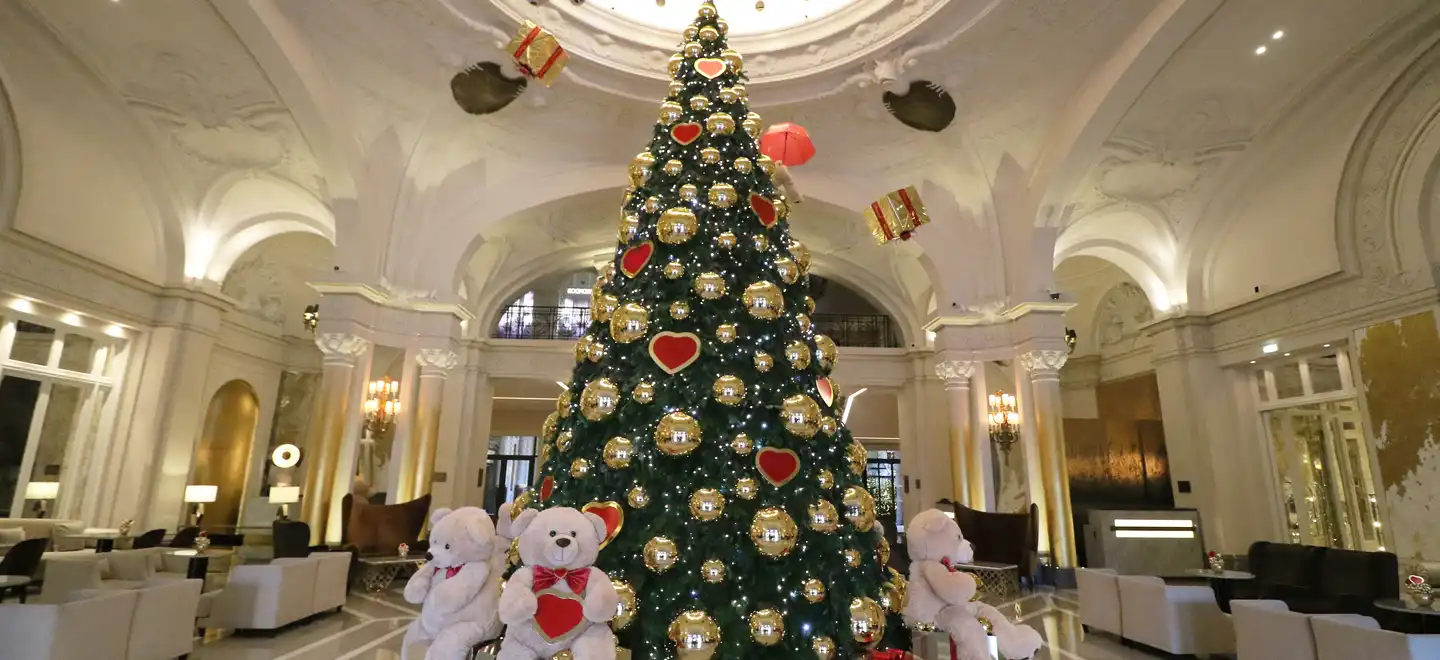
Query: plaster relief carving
{"points": [[341, 347], [1120, 315], [436, 361], [955, 372], [1043, 364], [257, 287]]}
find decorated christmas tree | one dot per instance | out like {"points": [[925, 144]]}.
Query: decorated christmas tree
{"points": [[700, 421]]}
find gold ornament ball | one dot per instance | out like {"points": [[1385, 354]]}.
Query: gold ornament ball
{"points": [[563, 654], [897, 591], [629, 228], [773, 531], [797, 353], [709, 286], [800, 415], [828, 425], [719, 123], [728, 95], [562, 441], [727, 240], [580, 468], [625, 611], [751, 128], [764, 301], [544, 457], [690, 31], [809, 305], [733, 61], [826, 479], [823, 517], [652, 204], [599, 399], [689, 193], [729, 390], [692, 49], [761, 243], [707, 504], [742, 444], [713, 571], [607, 272], [676, 89], [763, 361], [547, 430], [801, 254], [629, 322], [673, 65], [722, 25], [826, 351], [855, 453], [679, 310], [643, 393], [562, 403], [699, 103], [740, 89], [673, 167], [637, 497], [640, 168], [618, 451], [709, 33], [726, 333], [722, 195], [710, 156], [747, 488], [595, 351], [676, 225], [813, 589], [677, 434], [787, 270], [661, 554], [694, 633], [670, 111], [759, 5], [603, 307], [852, 558], [674, 270], [743, 165], [767, 627], [823, 647], [882, 551], [859, 507], [867, 621], [802, 320], [707, 10], [766, 165]]}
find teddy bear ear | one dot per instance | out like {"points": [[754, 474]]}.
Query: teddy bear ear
{"points": [[437, 514], [601, 530], [521, 522]]}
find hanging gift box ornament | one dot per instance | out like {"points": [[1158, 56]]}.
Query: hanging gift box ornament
{"points": [[896, 215], [537, 53], [787, 144]]}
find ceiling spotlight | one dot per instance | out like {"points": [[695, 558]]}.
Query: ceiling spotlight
{"points": [[1278, 35], [1287, 355], [1261, 50], [1326, 346], [1252, 362]]}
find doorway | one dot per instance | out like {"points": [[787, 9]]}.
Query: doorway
{"points": [[1327, 484], [222, 458]]}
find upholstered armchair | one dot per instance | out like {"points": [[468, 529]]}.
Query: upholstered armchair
{"points": [[378, 529], [1358, 637], [1179, 619], [1003, 538], [1268, 630], [1099, 599]]}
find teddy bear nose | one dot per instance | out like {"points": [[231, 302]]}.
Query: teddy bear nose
{"points": [[562, 542], [429, 557]]}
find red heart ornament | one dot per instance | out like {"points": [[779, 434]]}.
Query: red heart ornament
{"points": [[827, 391], [547, 488], [558, 614], [1415, 580], [764, 209], [613, 516], [685, 133], [635, 258], [710, 67], [674, 351], [778, 466]]}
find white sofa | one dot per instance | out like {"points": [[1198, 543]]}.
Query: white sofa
{"points": [[1099, 599], [271, 596], [121, 569], [58, 531], [94, 626], [1268, 630], [1179, 619], [163, 625], [1358, 637]]}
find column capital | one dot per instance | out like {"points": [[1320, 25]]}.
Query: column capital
{"points": [[1044, 364], [436, 362], [341, 348], [956, 373]]}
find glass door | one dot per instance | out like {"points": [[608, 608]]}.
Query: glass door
{"points": [[1326, 482], [509, 470]]}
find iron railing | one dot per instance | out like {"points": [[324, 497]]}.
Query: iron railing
{"points": [[569, 323]]}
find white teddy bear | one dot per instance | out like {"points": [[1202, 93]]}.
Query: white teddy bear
{"points": [[942, 597], [457, 589], [558, 600]]}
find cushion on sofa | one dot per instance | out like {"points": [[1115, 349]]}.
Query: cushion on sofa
{"points": [[131, 566], [11, 535]]}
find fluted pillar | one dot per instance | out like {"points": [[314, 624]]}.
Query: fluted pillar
{"points": [[967, 463], [417, 469], [1043, 367], [323, 440]]}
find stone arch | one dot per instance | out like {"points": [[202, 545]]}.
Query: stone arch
{"points": [[1134, 238], [241, 210]]}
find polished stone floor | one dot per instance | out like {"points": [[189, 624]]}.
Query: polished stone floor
{"points": [[371, 627]]}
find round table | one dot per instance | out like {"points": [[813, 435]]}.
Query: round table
{"points": [[1222, 583], [1429, 616], [16, 583]]}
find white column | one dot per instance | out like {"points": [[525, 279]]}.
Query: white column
{"points": [[1043, 407], [417, 469], [324, 474], [966, 468], [980, 421]]}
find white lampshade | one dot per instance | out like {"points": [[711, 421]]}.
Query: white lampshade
{"points": [[42, 490], [284, 494], [201, 494]]}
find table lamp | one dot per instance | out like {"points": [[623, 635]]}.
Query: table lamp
{"points": [[41, 492], [284, 496], [200, 495]]}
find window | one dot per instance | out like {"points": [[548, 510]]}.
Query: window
{"points": [[509, 470], [882, 479]]}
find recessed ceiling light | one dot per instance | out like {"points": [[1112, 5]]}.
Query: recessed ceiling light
{"points": [[1261, 50], [1252, 362], [1269, 348], [1326, 346], [1278, 35], [1287, 355]]}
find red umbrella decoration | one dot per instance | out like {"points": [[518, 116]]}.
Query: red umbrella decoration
{"points": [[787, 144]]}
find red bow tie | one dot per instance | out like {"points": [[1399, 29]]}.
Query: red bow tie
{"points": [[450, 571], [945, 561], [546, 578]]}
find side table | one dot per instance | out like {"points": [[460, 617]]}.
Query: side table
{"points": [[1222, 583], [993, 579], [1427, 614], [376, 573]]}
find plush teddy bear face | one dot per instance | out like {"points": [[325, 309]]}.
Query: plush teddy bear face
{"points": [[932, 536], [559, 538], [463, 536]]}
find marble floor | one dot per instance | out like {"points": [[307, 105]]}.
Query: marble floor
{"points": [[371, 627]]}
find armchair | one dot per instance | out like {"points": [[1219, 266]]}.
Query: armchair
{"points": [[85, 628], [1268, 630], [1099, 599], [1352, 636], [1183, 620]]}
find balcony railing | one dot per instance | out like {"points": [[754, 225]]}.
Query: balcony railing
{"points": [[569, 323]]}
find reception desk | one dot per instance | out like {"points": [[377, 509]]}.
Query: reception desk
{"points": [[1164, 543]]}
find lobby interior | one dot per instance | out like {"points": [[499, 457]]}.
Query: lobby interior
{"points": [[329, 256]]}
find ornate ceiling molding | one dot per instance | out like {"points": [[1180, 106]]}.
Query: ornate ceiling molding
{"points": [[9, 161]]}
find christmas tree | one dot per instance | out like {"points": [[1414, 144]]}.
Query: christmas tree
{"points": [[700, 420]]}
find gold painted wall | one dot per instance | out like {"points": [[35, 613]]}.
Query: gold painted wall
{"points": [[1399, 364], [224, 450]]}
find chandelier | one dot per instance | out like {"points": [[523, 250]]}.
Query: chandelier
{"points": [[382, 404], [1004, 421]]}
